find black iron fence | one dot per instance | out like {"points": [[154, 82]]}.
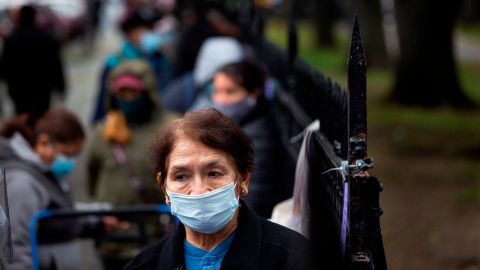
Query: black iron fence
{"points": [[343, 197]]}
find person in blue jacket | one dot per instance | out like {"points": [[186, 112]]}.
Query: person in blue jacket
{"points": [[141, 42]]}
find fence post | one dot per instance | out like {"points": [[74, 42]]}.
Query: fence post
{"points": [[357, 154]]}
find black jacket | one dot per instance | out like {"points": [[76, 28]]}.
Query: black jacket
{"points": [[272, 178], [257, 244]]}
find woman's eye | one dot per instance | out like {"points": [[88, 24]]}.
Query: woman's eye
{"points": [[180, 177], [214, 174]]}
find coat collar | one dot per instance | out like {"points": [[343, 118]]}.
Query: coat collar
{"points": [[243, 253], [245, 249]]}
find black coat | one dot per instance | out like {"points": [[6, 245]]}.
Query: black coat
{"points": [[257, 244], [272, 178]]}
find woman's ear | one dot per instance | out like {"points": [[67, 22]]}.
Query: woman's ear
{"points": [[159, 179], [244, 182]]}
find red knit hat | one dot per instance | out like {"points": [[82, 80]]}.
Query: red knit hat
{"points": [[127, 81]]}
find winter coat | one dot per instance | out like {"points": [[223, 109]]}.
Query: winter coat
{"points": [[31, 189], [257, 244], [108, 181]]}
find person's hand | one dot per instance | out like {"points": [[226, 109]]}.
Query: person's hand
{"points": [[112, 223]]}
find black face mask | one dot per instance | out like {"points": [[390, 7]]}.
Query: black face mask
{"points": [[136, 111]]}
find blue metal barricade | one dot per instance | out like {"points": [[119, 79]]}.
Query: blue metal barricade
{"points": [[75, 213]]}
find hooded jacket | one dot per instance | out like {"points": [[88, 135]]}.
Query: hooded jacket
{"points": [[31, 189]]}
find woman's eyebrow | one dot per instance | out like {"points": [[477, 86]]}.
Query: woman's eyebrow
{"points": [[214, 163], [179, 168]]}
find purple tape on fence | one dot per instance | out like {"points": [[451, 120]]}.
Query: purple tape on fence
{"points": [[343, 232]]}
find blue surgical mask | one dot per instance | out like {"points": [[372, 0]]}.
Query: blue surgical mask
{"points": [[150, 42], [62, 166], [205, 213], [238, 111]]}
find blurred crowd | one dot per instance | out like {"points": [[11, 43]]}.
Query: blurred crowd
{"points": [[175, 57]]}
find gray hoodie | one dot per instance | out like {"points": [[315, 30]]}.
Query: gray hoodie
{"points": [[31, 190]]}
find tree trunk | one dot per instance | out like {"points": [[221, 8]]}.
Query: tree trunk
{"points": [[471, 11], [369, 14], [325, 13], [426, 72]]}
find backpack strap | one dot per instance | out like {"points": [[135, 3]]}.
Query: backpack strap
{"points": [[133, 180]]}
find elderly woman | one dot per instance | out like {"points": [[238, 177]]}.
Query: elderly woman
{"points": [[203, 163]]}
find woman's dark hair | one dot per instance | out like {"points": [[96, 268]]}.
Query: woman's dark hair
{"points": [[27, 16], [246, 74], [140, 16], [210, 128], [60, 125]]}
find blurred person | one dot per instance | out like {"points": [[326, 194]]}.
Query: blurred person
{"points": [[238, 92], [203, 164], [31, 65], [94, 12], [167, 27], [189, 90], [201, 20], [38, 155], [140, 42], [117, 169]]}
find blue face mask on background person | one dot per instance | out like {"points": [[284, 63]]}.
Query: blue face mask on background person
{"points": [[62, 166], [239, 110], [150, 41], [205, 213]]}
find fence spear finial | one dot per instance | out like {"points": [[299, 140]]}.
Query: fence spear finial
{"points": [[357, 88]]}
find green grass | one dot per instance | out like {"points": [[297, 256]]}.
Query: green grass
{"points": [[469, 76], [439, 120], [470, 196], [472, 30], [330, 61]]}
